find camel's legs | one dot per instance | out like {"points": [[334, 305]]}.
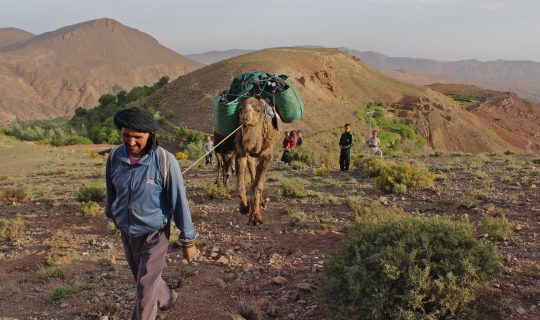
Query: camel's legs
{"points": [[255, 216], [252, 168], [241, 164], [219, 162]]}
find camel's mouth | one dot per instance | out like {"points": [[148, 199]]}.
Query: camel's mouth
{"points": [[246, 123]]}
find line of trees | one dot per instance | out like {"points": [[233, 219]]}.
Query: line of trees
{"points": [[87, 125]]}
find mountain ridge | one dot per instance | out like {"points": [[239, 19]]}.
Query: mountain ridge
{"points": [[333, 85], [58, 71]]}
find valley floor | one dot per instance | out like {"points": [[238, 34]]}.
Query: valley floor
{"points": [[236, 274]]}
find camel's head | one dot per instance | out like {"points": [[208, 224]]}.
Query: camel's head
{"points": [[251, 112]]}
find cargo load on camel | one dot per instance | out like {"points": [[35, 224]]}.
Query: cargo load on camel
{"points": [[277, 89]]}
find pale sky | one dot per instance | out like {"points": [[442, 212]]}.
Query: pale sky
{"points": [[437, 29]]}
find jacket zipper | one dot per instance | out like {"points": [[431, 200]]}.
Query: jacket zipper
{"points": [[129, 196]]}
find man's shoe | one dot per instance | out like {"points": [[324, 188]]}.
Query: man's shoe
{"points": [[163, 314]]}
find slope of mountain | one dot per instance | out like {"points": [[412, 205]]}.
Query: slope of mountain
{"points": [[72, 66], [333, 84], [215, 56], [522, 77], [9, 36]]}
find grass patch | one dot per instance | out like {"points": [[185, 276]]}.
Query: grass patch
{"points": [[468, 203], [216, 191], [56, 273], [102, 309], [61, 292], [293, 188], [499, 227], [298, 165], [333, 200], [321, 171], [296, 217]]}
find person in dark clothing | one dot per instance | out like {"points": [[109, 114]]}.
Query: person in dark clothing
{"points": [[345, 143], [299, 138]]}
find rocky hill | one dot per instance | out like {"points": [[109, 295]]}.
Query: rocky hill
{"points": [[333, 85], [9, 36], [53, 73]]}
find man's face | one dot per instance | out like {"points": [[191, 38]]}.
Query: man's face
{"points": [[347, 128], [135, 141]]}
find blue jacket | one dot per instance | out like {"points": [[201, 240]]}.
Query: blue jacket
{"points": [[137, 200]]}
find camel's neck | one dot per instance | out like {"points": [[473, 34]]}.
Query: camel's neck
{"points": [[252, 138]]}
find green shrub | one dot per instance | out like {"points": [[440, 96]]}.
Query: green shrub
{"points": [[216, 191], [293, 188], [89, 209], [194, 151], [372, 166], [397, 177], [14, 195], [496, 227], [61, 292], [12, 229], [468, 203], [370, 210], [304, 155], [92, 191], [406, 267]]}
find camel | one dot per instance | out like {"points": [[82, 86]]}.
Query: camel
{"points": [[254, 141]]}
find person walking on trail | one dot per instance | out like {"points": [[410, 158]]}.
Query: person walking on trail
{"points": [[144, 190], [208, 145], [345, 143], [373, 144]]}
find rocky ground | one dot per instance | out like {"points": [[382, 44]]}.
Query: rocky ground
{"points": [[68, 266]]}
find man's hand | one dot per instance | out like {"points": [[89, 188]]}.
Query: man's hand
{"points": [[190, 252]]}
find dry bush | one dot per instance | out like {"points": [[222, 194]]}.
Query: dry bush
{"points": [[397, 177], [90, 209], [12, 229], [14, 195]]}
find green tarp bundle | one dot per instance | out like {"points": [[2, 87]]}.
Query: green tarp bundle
{"points": [[278, 89]]}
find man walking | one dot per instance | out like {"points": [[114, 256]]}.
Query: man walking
{"points": [[144, 190], [345, 143]]}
